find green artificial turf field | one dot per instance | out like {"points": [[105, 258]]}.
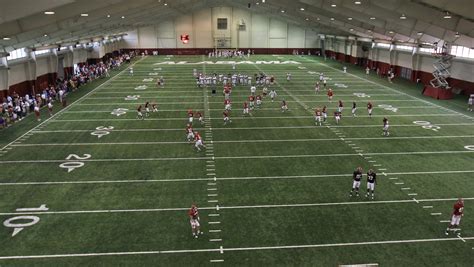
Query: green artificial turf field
{"points": [[273, 188]]}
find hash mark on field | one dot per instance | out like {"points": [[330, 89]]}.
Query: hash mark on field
{"points": [[212, 195], [211, 174], [444, 221], [372, 161], [377, 165], [413, 194], [393, 178], [215, 231], [215, 240], [213, 201], [436, 213], [213, 261], [399, 183], [214, 215], [406, 188], [211, 183], [214, 222], [427, 207], [381, 169], [212, 189]]}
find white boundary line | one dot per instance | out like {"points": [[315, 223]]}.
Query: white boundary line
{"points": [[253, 128], [233, 207], [225, 178], [243, 157], [69, 106], [233, 249], [244, 141]]}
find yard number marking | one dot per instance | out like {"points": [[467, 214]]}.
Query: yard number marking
{"points": [[132, 97], [361, 95], [72, 165], [427, 125], [470, 147], [119, 111], [141, 87], [388, 107], [19, 226], [102, 131], [340, 85]]}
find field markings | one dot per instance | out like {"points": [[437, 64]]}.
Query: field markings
{"points": [[257, 128], [230, 249], [242, 141], [224, 178], [52, 118], [246, 157], [221, 207]]}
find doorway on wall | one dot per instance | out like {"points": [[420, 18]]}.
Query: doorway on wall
{"points": [[405, 73]]}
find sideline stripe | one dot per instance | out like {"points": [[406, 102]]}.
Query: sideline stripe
{"points": [[234, 207], [234, 249], [224, 178], [241, 157]]}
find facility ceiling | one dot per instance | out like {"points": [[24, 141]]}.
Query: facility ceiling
{"points": [[24, 23]]}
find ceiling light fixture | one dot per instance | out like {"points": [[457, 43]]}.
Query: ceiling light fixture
{"points": [[263, 1], [357, 2], [165, 4], [332, 18], [391, 32], [457, 35], [333, 5], [123, 17], [108, 16], [447, 15], [45, 35], [318, 19], [84, 15], [349, 18], [351, 29], [403, 16], [6, 38], [419, 33], [282, 11], [302, 8], [49, 12], [306, 19], [372, 18]]}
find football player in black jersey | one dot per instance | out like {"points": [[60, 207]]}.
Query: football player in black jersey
{"points": [[371, 175], [356, 177]]}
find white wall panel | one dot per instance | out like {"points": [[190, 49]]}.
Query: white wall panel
{"points": [[403, 59], [260, 31], [296, 37], [17, 74], [42, 66], [147, 37], [202, 24], [184, 25], [166, 35], [383, 55]]}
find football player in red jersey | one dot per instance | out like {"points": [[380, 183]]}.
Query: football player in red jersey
{"points": [[325, 113], [317, 117], [369, 109], [458, 212], [226, 117], [189, 133], [194, 220], [340, 106], [198, 141], [284, 106], [190, 116], [330, 94], [199, 115], [252, 102], [246, 108], [139, 113], [356, 177], [337, 116]]}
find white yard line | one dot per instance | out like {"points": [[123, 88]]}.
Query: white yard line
{"points": [[310, 246], [212, 208], [244, 157], [254, 128], [323, 176], [68, 107], [241, 141]]}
